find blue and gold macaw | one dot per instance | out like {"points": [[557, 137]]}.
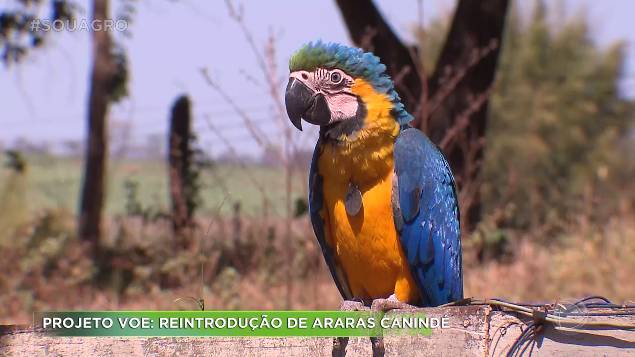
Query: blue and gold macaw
{"points": [[382, 198]]}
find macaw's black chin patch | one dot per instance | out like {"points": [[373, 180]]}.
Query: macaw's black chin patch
{"points": [[348, 127], [318, 113]]}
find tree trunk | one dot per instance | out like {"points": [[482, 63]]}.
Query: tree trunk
{"points": [[370, 31], [451, 105], [179, 160], [472, 48], [93, 187]]}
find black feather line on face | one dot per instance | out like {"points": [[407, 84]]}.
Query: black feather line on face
{"points": [[348, 127]]}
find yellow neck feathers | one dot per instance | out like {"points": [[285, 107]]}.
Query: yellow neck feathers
{"points": [[367, 156]]}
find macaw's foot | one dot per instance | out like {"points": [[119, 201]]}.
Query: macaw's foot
{"points": [[339, 346], [339, 343], [392, 303], [378, 346], [353, 305], [384, 305]]}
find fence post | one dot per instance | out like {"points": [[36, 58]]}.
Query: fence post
{"points": [[179, 162]]}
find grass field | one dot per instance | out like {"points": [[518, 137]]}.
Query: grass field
{"points": [[246, 260], [54, 182]]}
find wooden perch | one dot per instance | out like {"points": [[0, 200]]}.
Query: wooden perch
{"points": [[473, 331]]}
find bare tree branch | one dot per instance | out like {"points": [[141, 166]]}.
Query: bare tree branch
{"points": [[261, 139], [234, 153], [369, 30]]}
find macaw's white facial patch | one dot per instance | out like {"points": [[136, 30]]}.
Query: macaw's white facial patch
{"points": [[342, 106], [348, 127]]}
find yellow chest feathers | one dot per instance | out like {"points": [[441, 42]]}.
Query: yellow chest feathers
{"points": [[367, 156], [365, 244]]}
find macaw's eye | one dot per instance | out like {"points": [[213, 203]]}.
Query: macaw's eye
{"points": [[336, 77]]}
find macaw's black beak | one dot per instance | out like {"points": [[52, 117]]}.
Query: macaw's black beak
{"points": [[303, 103]]}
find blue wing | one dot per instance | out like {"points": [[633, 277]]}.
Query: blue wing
{"points": [[315, 206], [427, 218]]}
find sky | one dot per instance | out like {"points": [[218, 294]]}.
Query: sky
{"points": [[44, 98]]}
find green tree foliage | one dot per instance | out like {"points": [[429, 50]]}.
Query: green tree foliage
{"points": [[17, 35], [558, 138]]}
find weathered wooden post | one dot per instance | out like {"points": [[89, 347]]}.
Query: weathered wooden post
{"points": [[237, 225], [179, 168], [477, 330]]}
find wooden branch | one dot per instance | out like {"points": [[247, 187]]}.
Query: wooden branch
{"points": [[464, 119], [473, 331], [473, 44]]}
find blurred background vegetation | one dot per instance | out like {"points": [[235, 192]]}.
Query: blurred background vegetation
{"points": [[557, 220], [561, 142]]}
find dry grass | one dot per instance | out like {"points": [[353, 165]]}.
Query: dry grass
{"points": [[48, 273], [251, 292], [600, 262]]}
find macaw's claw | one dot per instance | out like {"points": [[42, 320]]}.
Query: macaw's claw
{"points": [[377, 305], [385, 305], [339, 346], [392, 303], [339, 343], [378, 346], [353, 305]]}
